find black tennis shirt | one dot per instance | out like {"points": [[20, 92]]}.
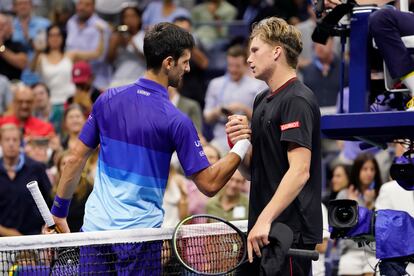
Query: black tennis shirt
{"points": [[290, 114]]}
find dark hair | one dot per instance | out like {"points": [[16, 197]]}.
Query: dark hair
{"points": [[164, 40], [182, 18], [41, 84], [137, 11], [356, 169], [237, 51], [62, 33]]}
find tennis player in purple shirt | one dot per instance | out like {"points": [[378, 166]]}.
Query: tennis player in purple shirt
{"points": [[138, 129]]}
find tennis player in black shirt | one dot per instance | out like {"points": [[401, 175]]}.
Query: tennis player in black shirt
{"points": [[284, 162]]}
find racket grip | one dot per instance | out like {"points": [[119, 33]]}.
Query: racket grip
{"points": [[302, 253], [41, 205]]}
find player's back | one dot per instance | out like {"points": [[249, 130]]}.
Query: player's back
{"points": [[134, 126]]}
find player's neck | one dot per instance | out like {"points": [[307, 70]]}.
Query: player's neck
{"points": [[280, 76], [158, 78]]}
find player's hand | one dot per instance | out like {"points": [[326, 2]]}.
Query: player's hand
{"points": [[61, 225], [237, 128], [258, 237]]}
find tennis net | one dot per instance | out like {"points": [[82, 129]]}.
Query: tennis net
{"points": [[121, 252]]}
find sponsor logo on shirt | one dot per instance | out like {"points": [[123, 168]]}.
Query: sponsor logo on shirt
{"points": [[90, 117], [142, 92], [197, 143], [287, 126], [201, 153]]}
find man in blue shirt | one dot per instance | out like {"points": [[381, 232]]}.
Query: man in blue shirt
{"points": [[28, 30], [138, 129]]}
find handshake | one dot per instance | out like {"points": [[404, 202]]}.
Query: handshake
{"points": [[237, 128]]}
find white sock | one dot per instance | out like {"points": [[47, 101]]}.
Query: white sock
{"points": [[408, 80]]}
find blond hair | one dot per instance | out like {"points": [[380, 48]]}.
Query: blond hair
{"points": [[276, 31]]}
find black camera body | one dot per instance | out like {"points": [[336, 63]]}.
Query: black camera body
{"points": [[342, 216]]}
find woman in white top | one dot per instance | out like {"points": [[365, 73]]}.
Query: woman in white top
{"points": [[55, 65]]}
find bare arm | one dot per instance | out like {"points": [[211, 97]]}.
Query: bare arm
{"points": [[70, 177], [113, 46], [213, 115], [90, 55], [7, 232], [210, 180], [35, 64], [289, 188], [18, 60], [199, 58]]}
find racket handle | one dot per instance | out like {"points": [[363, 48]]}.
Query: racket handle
{"points": [[302, 253], [41, 205]]}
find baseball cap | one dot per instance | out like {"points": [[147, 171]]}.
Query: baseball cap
{"points": [[81, 72]]}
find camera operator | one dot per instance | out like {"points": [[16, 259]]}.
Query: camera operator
{"points": [[387, 26], [126, 47]]}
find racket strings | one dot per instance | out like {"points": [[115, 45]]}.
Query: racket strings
{"points": [[212, 248]]}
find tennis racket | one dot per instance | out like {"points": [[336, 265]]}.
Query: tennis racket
{"points": [[64, 261], [215, 248]]}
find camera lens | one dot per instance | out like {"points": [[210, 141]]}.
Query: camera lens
{"points": [[344, 214]]}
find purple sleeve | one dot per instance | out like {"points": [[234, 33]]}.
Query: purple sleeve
{"points": [[90, 131], [188, 146]]}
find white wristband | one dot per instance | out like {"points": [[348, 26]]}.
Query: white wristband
{"points": [[241, 148]]}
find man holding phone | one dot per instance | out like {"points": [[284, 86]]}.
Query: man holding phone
{"points": [[232, 93]]}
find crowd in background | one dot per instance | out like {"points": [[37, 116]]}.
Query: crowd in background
{"points": [[57, 57]]}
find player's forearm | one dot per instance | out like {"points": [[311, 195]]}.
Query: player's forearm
{"points": [[71, 176], [289, 188], [7, 232], [212, 179]]}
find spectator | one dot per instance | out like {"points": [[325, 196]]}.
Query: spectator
{"points": [[12, 57], [28, 30], [42, 107], [341, 176], [230, 203], [210, 16], [84, 36], [84, 188], [126, 45], [175, 201], [85, 93], [22, 117], [187, 106], [194, 85], [18, 212], [55, 66], [61, 12], [162, 11], [6, 95], [197, 204], [232, 93], [73, 121], [318, 267], [323, 73], [37, 149], [366, 183]]}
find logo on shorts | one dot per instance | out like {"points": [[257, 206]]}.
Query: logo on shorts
{"points": [[142, 92], [295, 124]]}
